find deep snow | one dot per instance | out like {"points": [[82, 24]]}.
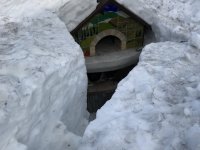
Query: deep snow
{"points": [[43, 80], [171, 20], [155, 107]]}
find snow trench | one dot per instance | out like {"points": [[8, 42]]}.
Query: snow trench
{"points": [[43, 80]]}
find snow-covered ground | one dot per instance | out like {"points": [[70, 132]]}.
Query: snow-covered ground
{"points": [[171, 20], [43, 78], [155, 107]]}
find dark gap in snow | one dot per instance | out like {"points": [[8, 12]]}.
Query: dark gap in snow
{"points": [[102, 84], [103, 68], [101, 87], [107, 45]]}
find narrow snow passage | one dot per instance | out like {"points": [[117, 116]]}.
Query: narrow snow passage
{"points": [[102, 86], [42, 75]]}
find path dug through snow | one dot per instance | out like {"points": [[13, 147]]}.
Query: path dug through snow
{"points": [[43, 75]]}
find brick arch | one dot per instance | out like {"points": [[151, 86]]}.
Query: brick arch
{"points": [[105, 33]]}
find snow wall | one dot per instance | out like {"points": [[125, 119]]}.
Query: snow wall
{"points": [[43, 78], [171, 20], [155, 107], [39, 58]]}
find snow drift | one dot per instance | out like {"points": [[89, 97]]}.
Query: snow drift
{"points": [[155, 107], [43, 78], [171, 20], [74, 11]]}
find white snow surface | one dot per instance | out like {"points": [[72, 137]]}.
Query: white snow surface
{"points": [[155, 107], [75, 11], [171, 20], [43, 78]]}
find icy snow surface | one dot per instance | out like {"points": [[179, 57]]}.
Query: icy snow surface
{"points": [[155, 107], [42, 78]]}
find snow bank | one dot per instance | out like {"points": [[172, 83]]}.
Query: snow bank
{"points": [[171, 20], [73, 12], [43, 78], [155, 107]]}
